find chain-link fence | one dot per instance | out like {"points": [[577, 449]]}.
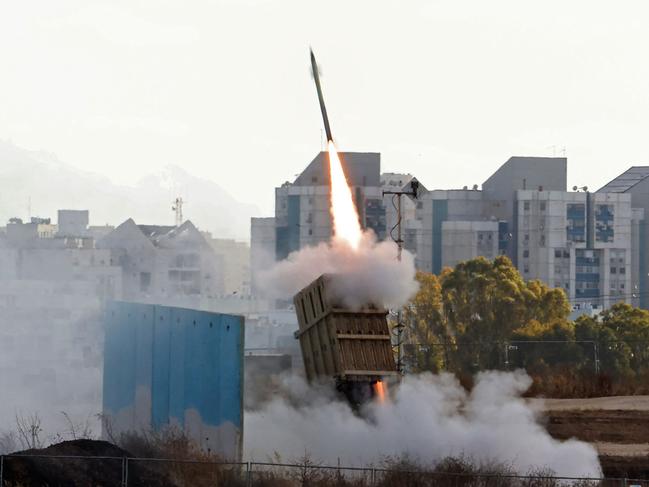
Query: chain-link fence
{"points": [[42, 470], [286, 474]]}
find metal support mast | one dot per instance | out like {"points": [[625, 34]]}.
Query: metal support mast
{"points": [[178, 209], [399, 327]]}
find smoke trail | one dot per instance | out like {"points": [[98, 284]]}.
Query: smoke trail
{"points": [[430, 417], [369, 274]]}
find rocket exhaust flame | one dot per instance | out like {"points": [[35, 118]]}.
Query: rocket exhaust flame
{"points": [[343, 210], [380, 391]]}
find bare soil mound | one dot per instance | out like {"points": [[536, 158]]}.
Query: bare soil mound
{"points": [[68, 464]]}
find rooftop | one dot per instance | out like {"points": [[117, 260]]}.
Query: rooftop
{"points": [[627, 180], [154, 231], [361, 169]]}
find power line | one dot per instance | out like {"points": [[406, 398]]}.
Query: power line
{"points": [[635, 294]]}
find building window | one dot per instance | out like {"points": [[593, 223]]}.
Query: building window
{"points": [[557, 253], [576, 219], [526, 254], [604, 220], [542, 205], [526, 206], [613, 270], [622, 270], [526, 270], [526, 237]]}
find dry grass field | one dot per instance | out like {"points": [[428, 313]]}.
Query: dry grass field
{"points": [[618, 426]]}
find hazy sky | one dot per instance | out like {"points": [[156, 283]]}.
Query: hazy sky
{"points": [[445, 90]]}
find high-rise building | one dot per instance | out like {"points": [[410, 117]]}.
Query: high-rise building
{"points": [[436, 210], [635, 182], [579, 241]]}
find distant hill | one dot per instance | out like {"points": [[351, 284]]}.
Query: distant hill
{"points": [[52, 185]]}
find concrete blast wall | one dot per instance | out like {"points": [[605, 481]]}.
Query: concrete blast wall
{"points": [[175, 367]]}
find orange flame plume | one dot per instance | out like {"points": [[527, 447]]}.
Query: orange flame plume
{"points": [[345, 217], [380, 391]]}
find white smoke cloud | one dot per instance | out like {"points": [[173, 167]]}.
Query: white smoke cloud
{"points": [[429, 418], [370, 274]]}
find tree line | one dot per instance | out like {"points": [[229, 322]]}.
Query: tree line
{"points": [[483, 315]]}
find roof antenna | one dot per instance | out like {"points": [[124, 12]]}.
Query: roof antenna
{"points": [[178, 209]]}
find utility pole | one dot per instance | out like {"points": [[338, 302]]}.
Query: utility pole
{"points": [[414, 187]]}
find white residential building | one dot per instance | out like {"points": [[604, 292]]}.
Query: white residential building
{"points": [[578, 241]]}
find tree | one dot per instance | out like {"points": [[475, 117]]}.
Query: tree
{"points": [[29, 431], [463, 319], [426, 328], [548, 345], [485, 301], [622, 335]]}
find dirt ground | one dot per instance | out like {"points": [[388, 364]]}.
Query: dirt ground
{"points": [[635, 403], [617, 426]]}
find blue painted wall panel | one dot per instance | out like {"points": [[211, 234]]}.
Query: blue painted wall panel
{"points": [[160, 373], [142, 323], [177, 372], [119, 357], [231, 340], [110, 384], [211, 387], [193, 367], [167, 366]]}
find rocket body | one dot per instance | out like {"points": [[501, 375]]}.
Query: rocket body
{"points": [[323, 109]]}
